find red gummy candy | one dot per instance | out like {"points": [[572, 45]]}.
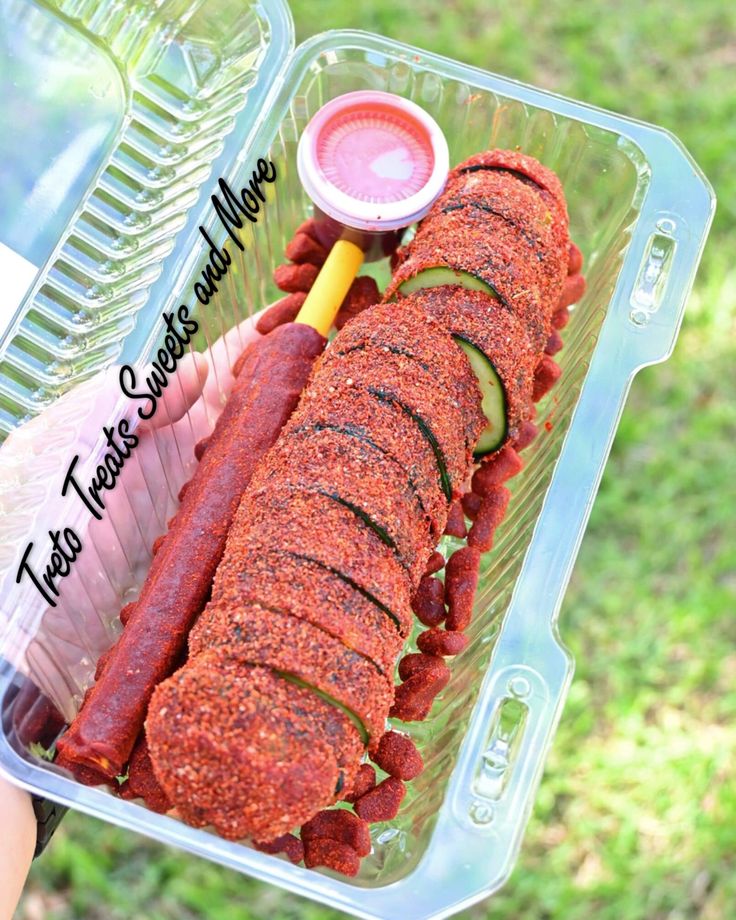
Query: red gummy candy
{"points": [[490, 515], [201, 446], [441, 642], [286, 843], [381, 803], [142, 782], [574, 259], [340, 825], [126, 612], [428, 603], [322, 851], [560, 318], [363, 293], [527, 433], [471, 504], [101, 662], [293, 278], [554, 343], [398, 756], [365, 780], [304, 248], [572, 290], [436, 563], [455, 526], [283, 311], [461, 580], [415, 662], [496, 470], [545, 377], [414, 698]]}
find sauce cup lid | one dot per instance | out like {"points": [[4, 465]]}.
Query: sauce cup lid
{"points": [[373, 161]]}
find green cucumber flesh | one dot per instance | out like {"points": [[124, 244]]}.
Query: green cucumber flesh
{"points": [[439, 275], [493, 398]]}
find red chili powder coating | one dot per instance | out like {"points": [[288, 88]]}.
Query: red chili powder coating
{"points": [[398, 756], [293, 278], [415, 334], [498, 334], [381, 803], [353, 550], [313, 593], [266, 637], [286, 843], [385, 425], [322, 851], [283, 311], [206, 718], [363, 478], [428, 603], [440, 642], [399, 380], [341, 825], [365, 780], [415, 662], [461, 580]]}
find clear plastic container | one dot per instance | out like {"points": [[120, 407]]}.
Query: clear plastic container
{"points": [[640, 211]]}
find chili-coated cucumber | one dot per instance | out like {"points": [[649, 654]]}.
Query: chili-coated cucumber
{"points": [[439, 275], [494, 399]]}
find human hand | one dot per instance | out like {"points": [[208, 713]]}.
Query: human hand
{"points": [[19, 833], [116, 548]]}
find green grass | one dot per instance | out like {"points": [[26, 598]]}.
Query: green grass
{"points": [[636, 816]]}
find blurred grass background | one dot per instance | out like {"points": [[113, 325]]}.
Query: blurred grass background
{"points": [[636, 816]]}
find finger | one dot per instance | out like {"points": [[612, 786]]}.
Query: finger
{"points": [[182, 392], [223, 354], [16, 848]]}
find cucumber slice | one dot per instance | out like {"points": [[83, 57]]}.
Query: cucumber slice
{"points": [[355, 586], [427, 433], [494, 398], [364, 517], [441, 274], [354, 717]]}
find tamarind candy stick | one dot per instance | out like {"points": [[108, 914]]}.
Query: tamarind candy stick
{"points": [[271, 378]]}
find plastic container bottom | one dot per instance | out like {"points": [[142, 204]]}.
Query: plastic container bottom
{"points": [[640, 210]]}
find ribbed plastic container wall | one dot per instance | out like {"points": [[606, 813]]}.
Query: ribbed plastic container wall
{"points": [[136, 105], [640, 211]]}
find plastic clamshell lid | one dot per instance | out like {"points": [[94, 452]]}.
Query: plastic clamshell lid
{"points": [[114, 116]]}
